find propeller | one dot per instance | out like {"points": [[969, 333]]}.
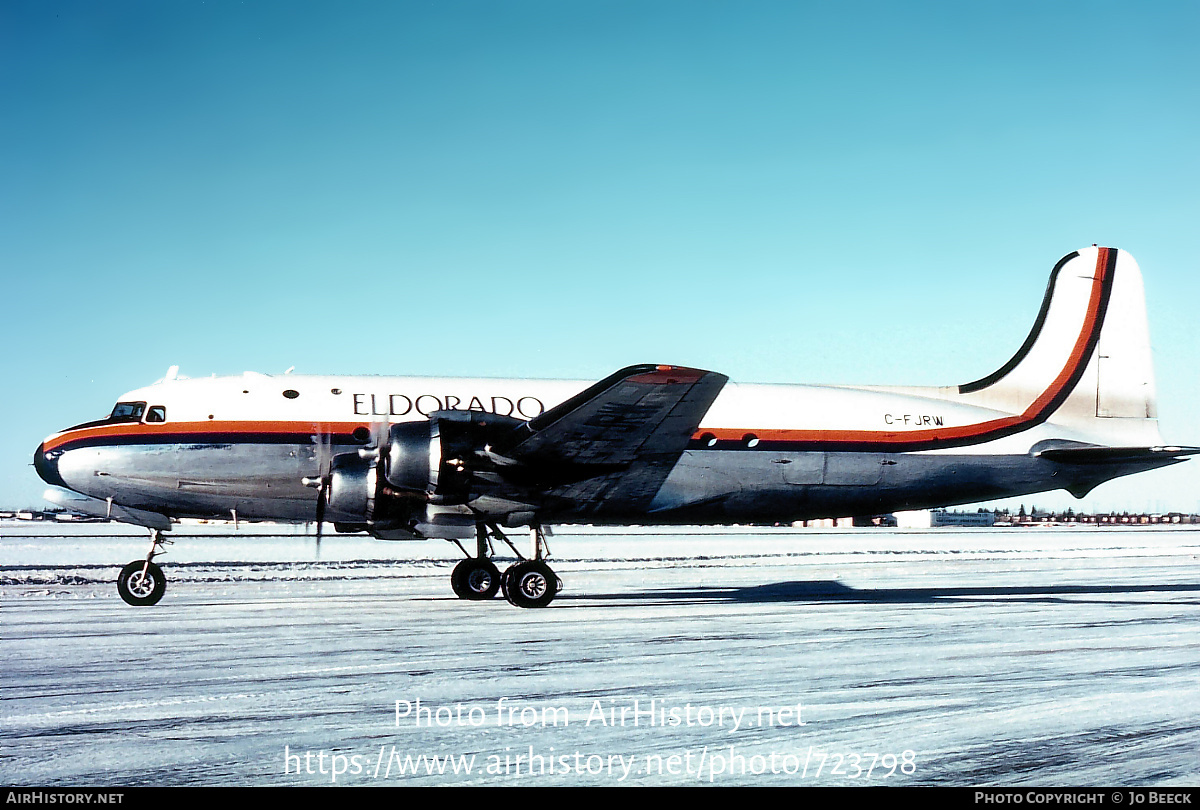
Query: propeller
{"points": [[374, 448], [323, 454], [375, 445]]}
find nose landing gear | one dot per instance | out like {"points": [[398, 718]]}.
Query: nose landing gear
{"points": [[142, 582]]}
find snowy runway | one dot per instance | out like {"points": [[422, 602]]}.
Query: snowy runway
{"points": [[739, 656]]}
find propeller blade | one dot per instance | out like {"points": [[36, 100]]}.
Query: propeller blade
{"points": [[320, 514], [323, 455]]}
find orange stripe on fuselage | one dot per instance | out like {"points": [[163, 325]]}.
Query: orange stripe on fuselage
{"points": [[202, 429]]}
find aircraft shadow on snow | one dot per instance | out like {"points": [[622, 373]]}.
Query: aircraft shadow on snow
{"points": [[818, 591]]}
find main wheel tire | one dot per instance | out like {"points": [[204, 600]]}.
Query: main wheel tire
{"points": [[139, 589], [456, 580], [530, 584], [506, 581], [475, 579]]}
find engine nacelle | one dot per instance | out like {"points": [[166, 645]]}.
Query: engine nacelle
{"points": [[358, 495], [421, 468], [352, 489], [443, 455]]}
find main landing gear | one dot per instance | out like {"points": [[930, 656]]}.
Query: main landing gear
{"points": [[476, 577], [526, 583], [142, 582]]}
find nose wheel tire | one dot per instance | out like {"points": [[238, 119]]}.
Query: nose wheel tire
{"points": [[141, 583], [475, 579], [530, 584]]}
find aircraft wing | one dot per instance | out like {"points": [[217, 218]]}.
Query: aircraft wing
{"points": [[619, 439]]}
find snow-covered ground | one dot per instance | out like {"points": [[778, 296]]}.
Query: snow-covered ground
{"points": [[732, 656]]}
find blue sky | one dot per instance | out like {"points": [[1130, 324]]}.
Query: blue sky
{"points": [[782, 191]]}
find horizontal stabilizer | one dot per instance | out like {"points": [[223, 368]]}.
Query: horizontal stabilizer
{"points": [[1088, 454]]}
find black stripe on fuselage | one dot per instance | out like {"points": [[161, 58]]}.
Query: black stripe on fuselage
{"points": [[1039, 322]]}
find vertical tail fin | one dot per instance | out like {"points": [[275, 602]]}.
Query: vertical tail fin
{"points": [[1088, 356]]}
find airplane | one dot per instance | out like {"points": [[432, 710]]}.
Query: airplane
{"points": [[410, 458]]}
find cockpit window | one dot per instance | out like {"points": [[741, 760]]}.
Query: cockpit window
{"points": [[157, 413], [127, 412]]}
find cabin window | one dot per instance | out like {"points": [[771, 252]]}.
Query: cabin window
{"points": [[157, 413], [127, 412]]}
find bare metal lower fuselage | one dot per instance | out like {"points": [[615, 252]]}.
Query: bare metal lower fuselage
{"points": [[263, 482]]}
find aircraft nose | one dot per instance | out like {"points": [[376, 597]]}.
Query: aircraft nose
{"points": [[46, 465]]}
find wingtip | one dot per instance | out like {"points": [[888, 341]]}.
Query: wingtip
{"points": [[669, 375]]}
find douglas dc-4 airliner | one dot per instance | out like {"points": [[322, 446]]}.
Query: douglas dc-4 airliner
{"points": [[415, 458]]}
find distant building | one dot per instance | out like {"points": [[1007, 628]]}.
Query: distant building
{"points": [[942, 517]]}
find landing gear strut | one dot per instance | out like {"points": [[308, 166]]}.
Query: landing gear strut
{"points": [[526, 583], [142, 582]]}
